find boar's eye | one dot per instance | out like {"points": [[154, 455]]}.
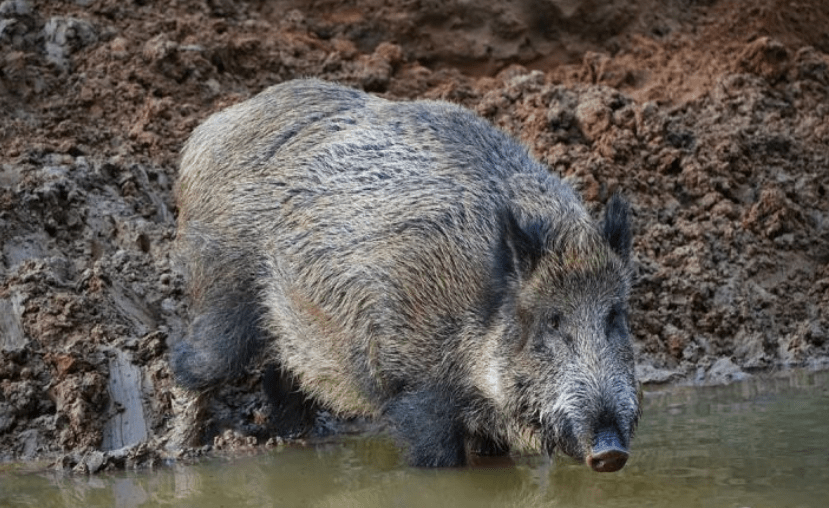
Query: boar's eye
{"points": [[554, 321]]}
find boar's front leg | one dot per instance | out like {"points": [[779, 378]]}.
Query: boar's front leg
{"points": [[427, 423]]}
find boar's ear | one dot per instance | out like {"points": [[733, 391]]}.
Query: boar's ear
{"points": [[616, 227], [522, 246]]}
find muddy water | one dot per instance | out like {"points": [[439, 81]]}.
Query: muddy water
{"points": [[759, 443]]}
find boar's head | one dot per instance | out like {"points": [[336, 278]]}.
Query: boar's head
{"points": [[571, 376]]}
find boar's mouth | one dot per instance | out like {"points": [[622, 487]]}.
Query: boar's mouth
{"points": [[605, 450]]}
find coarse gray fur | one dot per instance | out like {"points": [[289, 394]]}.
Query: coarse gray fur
{"points": [[406, 260]]}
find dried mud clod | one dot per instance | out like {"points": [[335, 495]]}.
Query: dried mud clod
{"points": [[713, 118]]}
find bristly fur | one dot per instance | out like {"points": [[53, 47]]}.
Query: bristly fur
{"points": [[407, 261], [616, 226]]}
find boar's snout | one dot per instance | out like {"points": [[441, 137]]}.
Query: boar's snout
{"points": [[609, 453], [601, 442]]}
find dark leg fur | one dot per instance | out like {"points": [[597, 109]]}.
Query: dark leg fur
{"points": [[486, 447], [224, 330], [219, 343], [427, 422], [292, 414]]}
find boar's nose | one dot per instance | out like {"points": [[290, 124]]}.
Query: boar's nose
{"points": [[608, 454]]}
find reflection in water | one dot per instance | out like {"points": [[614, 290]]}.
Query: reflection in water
{"points": [[761, 443]]}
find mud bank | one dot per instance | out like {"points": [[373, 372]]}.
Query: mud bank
{"points": [[711, 117]]}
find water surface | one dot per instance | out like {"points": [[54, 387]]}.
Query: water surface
{"points": [[760, 443]]}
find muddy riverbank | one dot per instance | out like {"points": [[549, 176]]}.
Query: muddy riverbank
{"points": [[713, 118]]}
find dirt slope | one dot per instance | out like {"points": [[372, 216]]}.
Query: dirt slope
{"points": [[712, 116]]}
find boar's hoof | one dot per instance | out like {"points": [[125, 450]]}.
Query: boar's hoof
{"points": [[609, 454]]}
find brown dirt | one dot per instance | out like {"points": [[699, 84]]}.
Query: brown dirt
{"points": [[712, 116]]}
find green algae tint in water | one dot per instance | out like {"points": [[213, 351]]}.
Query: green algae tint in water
{"points": [[760, 443]]}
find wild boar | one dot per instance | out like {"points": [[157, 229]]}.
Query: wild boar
{"points": [[407, 261]]}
